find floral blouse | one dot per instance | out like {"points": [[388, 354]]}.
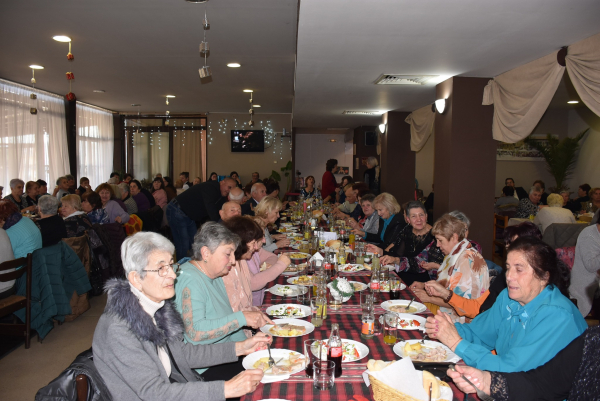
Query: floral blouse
{"points": [[99, 216], [315, 193], [526, 208], [414, 250]]}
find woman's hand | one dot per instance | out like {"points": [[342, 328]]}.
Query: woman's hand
{"points": [[284, 259], [417, 285], [256, 319], [435, 289], [244, 383], [442, 328], [282, 243], [481, 379], [118, 219], [30, 209], [278, 236], [256, 343], [429, 265], [353, 223], [389, 260], [374, 249], [358, 232]]}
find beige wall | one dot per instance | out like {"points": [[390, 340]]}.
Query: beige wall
{"points": [[221, 160], [587, 169], [424, 162]]}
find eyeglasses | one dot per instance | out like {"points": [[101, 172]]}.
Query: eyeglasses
{"points": [[164, 270]]}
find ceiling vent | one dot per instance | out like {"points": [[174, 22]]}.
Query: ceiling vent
{"points": [[395, 79], [363, 113]]}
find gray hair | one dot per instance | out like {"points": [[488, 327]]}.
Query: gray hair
{"points": [[59, 179], [124, 187], [461, 216], [139, 247], [535, 189], [212, 235], [113, 180], [48, 205], [415, 205], [256, 186], [372, 160], [238, 197], [16, 181]]}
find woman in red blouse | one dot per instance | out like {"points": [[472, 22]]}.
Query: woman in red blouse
{"points": [[328, 181]]}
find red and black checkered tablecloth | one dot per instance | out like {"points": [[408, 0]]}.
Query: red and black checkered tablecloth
{"points": [[350, 386]]}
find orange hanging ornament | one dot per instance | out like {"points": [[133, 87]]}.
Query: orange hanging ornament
{"points": [[70, 56], [70, 96]]}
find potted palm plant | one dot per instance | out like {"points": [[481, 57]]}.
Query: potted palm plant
{"points": [[560, 156]]}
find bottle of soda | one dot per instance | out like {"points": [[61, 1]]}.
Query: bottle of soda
{"points": [[328, 265], [374, 286], [335, 352]]}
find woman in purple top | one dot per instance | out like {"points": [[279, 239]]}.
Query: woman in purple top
{"points": [[116, 213], [136, 193], [92, 205]]}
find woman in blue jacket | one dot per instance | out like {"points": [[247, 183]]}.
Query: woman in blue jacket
{"points": [[530, 322]]}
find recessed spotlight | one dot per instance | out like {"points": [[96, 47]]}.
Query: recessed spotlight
{"points": [[248, 90], [36, 67], [170, 96], [573, 101], [99, 91], [256, 105], [61, 38], [332, 140], [234, 65]]}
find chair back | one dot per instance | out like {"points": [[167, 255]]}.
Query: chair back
{"points": [[498, 248], [13, 270], [14, 266]]}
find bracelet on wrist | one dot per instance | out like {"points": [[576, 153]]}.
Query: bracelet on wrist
{"points": [[455, 344], [447, 300]]}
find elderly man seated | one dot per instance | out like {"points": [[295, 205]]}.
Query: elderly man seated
{"points": [[236, 195], [229, 210], [350, 207], [51, 225], [258, 192]]}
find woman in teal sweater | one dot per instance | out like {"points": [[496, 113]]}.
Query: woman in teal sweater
{"points": [[24, 235], [201, 298], [530, 322]]}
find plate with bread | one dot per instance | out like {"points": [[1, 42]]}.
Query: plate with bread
{"points": [[334, 244], [425, 351], [288, 328]]}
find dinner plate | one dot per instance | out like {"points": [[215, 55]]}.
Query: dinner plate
{"points": [[451, 357], [289, 311], [350, 268], [403, 302], [309, 328], [294, 270], [363, 285], [407, 322], [277, 353], [294, 281], [348, 350], [287, 290], [385, 286]]}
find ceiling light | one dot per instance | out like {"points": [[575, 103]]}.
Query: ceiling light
{"points": [[204, 72], [248, 90], [36, 67], [170, 96], [196, 1], [234, 65], [61, 38], [135, 104], [332, 140], [382, 128], [363, 113], [573, 101], [99, 91], [256, 105], [440, 105]]}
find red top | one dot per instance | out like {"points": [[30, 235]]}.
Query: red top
{"points": [[328, 184]]}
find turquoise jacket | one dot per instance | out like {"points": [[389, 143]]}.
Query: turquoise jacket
{"points": [[524, 337]]}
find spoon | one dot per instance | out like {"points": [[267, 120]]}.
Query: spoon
{"points": [[411, 301]]}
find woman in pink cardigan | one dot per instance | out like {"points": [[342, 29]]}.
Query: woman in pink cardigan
{"points": [[158, 192], [245, 285]]}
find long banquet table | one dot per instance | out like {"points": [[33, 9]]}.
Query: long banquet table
{"points": [[350, 386]]}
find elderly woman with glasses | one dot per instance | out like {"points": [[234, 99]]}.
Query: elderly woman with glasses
{"points": [[201, 297], [138, 347]]}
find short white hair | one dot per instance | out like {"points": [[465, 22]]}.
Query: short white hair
{"points": [[16, 181], [256, 186], [48, 205], [138, 248], [124, 187], [554, 200], [236, 197], [536, 189], [461, 216]]}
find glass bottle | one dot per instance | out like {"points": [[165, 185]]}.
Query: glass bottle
{"points": [[375, 283], [368, 323], [335, 351]]}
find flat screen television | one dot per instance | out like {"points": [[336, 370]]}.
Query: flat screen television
{"points": [[247, 140]]}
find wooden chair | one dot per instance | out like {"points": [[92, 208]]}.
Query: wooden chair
{"points": [[15, 302], [498, 247], [82, 386]]}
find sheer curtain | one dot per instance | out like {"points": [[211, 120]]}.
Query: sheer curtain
{"points": [[34, 146], [187, 153], [95, 144]]}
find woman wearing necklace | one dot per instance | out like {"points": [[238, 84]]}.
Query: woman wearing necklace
{"points": [[202, 299], [310, 191], [417, 256]]}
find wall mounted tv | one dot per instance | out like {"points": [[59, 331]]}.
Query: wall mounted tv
{"points": [[247, 140]]}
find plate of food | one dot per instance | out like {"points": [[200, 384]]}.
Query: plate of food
{"points": [[301, 280], [384, 286], [369, 266], [288, 328], [358, 286], [287, 290], [426, 351], [350, 268], [409, 322], [287, 361], [289, 310], [399, 306], [293, 269], [351, 350]]}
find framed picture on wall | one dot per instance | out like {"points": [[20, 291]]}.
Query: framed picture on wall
{"points": [[343, 170], [370, 138]]}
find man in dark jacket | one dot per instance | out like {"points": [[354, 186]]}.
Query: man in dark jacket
{"points": [[193, 207], [258, 192], [520, 192]]}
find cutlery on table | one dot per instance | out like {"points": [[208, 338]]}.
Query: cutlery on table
{"points": [[411, 301], [271, 360], [482, 396]]}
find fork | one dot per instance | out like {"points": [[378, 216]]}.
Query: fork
{"points": [[482, 396], [271, 360], [424, 337]]}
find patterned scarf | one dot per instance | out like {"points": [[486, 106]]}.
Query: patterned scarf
{"points": [[12, 220], [447, 267]]}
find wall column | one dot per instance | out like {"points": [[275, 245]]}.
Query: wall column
{"points": [[465, 157], [397, 160], [71, 122]]}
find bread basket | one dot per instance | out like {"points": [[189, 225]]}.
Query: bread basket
{"points": [[383, 392]]}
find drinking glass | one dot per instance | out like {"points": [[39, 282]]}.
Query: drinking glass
{"points": [[390, 328], [394, 288], [335, 302], [323, 374], [309, 357], [366, 300], [303, 297], [360, 257]]}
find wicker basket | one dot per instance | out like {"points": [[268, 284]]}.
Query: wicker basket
{"points": [[383, 392]]}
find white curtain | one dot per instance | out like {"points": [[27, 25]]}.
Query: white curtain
{"points": [[521, 97], [33, 146], [583, 66], [421, 127], [95, 143]]}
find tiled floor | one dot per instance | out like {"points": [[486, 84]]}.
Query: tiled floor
{"points": [[24, 371]]}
